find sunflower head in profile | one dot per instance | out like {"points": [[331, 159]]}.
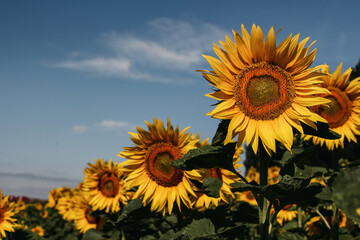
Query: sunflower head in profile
{"points": [[343, 111], [263, 88], [7, 220], [103, 183], [149, 166]]}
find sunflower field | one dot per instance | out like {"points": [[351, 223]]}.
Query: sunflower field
{"points": [[282, 164]]}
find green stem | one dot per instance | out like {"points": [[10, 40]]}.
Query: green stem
{"points": [[263, 203], [335, 221], [299, 217], [323, 218]]}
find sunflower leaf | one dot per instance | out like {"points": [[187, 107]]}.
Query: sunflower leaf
{"points": [[212, 187], [323, 131], [220, 134], [202, 228], [207, 157], [92, 234], [347, 193], [132, 206]]}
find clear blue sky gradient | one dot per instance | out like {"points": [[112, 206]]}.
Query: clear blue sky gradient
{"points": [[76, 76]]}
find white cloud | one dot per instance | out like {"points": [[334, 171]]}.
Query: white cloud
{"points": [[113, 124], [108, 66], [80, 128], [169, 52]]}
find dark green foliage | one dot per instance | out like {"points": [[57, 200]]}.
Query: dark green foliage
{"points": [[212, 187], [347, 192]]}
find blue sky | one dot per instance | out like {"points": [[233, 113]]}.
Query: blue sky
{"points": [[76, 76]]}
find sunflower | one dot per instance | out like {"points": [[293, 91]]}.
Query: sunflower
{"points": [[313, 226], [227, 177], [263, 88], [286, 214], [7, 222], [149, 167], [343, 112], [273, 174], [65, 204], [38, 230], [83, 217], [103, 183], [248, 196]]}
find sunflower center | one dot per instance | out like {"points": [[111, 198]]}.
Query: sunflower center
{"points": [[109, 185], [287, 207], [250, 195], [339, 109], [159, 166], [2, 215], [263, 91], [89, 217]]}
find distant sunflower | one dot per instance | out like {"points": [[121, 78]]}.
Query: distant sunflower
{"points": [[313, 226], [263, 88], [103, 183], [343, 112], [248, 196], [7, 222], [149, 166], [38, 230], [226, 177], [273, 175], [286, 214], [65, 204], [83, 217]]}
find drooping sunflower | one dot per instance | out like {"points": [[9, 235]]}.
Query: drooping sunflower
{"points": [[149, 166], [7, 222], [263, 88], [343, 112], [103, 183]]}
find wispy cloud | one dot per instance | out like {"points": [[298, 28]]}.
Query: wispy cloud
{"points": [[104, 124], [113, 124], [79, 128], [171, 48]]}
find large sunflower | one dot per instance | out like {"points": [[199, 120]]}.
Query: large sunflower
{"points": [[263, 88], [343, 112], [7, 222], [103, 183], [148, 166]]}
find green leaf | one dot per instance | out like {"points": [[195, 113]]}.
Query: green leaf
{"points": [[212, 187], [132, 206], [297, 171], [323, 131], [207, 157], [347, 192], [242, 187], [92, 234], [290, 236], [199, 229], [221, 133]]}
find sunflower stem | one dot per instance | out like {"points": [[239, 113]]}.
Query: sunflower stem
{"points": [[299, 217], [335, 222], [263, 203]]}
